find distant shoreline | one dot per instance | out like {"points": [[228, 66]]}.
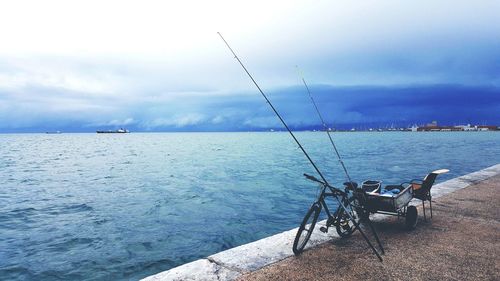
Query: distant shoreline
{"points": [[266, 131]]}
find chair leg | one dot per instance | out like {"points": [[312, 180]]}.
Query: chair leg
{"points": [[423, 206], [430, 203]]}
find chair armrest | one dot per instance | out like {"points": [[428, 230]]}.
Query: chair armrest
{"points": [[415, 185]]}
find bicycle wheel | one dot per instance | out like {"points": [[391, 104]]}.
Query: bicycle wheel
{"points": [[345, 225], [411, 217], [306, 228]]}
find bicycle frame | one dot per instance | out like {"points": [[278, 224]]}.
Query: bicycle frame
{"points": [[343, 199], [324, 194], [334, 192]]}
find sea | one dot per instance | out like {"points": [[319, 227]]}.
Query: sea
{"points": [[125, 206]]}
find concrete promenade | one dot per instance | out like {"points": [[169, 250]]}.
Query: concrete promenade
{"points": [[461, 242]]}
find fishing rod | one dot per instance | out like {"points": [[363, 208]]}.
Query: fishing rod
{"points": [[334, 190], [325, 126], [276, 112]]}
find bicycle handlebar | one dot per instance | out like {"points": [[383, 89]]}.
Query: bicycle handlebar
{"points": [[312, 178], [332, 188]]}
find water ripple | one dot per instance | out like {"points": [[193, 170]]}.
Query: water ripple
{"points": [[94, 207]]}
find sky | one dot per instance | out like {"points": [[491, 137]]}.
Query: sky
{"points": [[79, 66]]}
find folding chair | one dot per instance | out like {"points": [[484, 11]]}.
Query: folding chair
{"points": [[422, 188]]}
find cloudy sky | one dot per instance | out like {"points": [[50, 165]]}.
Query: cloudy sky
{"points": [[160, 65]]}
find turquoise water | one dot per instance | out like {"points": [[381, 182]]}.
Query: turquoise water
{"points": [[102, 207]]}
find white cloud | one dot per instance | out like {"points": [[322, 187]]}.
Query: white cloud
{"points": [[172, 46], [262, 122], [178, 121], [114, 122], [64, 74], [218, 119], [65, 81]]}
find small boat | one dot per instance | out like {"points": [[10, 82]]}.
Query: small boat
{"points": [[119, 131], [53, 132]]}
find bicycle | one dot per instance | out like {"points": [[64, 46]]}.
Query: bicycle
{"points": [[346, 218]]}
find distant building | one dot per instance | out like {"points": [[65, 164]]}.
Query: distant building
{"points": [[467, 127], [439, 128], [433, 127], [486, 128]]}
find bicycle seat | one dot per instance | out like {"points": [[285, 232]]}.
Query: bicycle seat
{"points": [[350, 185]]}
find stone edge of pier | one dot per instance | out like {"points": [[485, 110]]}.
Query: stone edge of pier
{"points": [[230, 264]]}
